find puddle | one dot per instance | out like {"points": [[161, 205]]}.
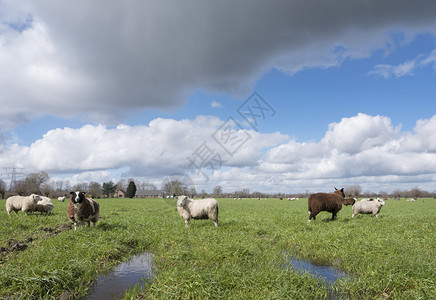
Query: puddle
{"points": [[136, 270], [327, 275]]}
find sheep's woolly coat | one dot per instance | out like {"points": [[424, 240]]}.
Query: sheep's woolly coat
{"points": [[44, 205], [368, 207], [197, 209], [330, 202], [25, 204], [82, 210]]}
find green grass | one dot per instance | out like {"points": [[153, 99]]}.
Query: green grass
{"points": [[392, 257]]}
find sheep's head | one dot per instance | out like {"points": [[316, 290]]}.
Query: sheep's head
{"points": [[181, 201], [35, 198], [340, 191], [380, 201], [77, 197]]}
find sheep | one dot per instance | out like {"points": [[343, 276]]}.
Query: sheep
{"points": [[62, 199], [292, 199], [197, 209], [349, 201], [331, 202], [82, 210], [368, 207], [25, 204], [44, 205]]}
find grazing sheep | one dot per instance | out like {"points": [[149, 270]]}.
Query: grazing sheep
{"points": [[292, 199], [349, 201], [197, 209], [331, 202], [82, 210], [44, 205], [62, 199], [412, 200], [25, 204], [368, 207]]}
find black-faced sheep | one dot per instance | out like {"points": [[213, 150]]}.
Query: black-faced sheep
{"points": [[82, 210], [349, 201], [368, 207], [330, 202], [197, 209], [25, 204]]}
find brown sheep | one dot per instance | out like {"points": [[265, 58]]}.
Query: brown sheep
{"points": [[349, 201], [82, 210], [331, 202]]}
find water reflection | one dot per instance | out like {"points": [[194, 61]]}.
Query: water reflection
{"points": [[130, 273]]}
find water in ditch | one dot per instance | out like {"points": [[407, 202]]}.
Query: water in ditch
{"points": [[137, 270]]}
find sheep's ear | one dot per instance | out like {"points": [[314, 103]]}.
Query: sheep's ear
{"points": [[342, 190], [71, 193], [83, 193], [336, 189]]}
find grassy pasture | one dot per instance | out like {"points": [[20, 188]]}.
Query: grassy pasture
{"points": [[392, 257]]}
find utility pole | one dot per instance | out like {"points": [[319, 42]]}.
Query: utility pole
{"points": [[13, 173]]}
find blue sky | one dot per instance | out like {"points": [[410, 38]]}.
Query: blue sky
{"points": [[352, 88]]}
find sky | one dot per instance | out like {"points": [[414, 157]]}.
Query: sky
{"points": [[270, 96]]}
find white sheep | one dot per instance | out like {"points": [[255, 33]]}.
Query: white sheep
{"points": [[25, 204], [197, 209], [368, 207], [62, 199], [44, 205]]}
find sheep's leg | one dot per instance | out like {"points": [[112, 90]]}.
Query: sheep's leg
{"points": [[186, 223], [216, 223], [333, 216], [75, 226], [89, 224]]}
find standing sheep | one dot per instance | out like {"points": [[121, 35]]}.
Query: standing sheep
{"points": [[44, 205], [330, 202], [368, 207], [62, 199], [197, 209], [25, 204], [82, 210]]}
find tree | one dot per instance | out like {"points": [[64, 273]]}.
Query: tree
{"points": [[2, 188], [174, 187], [415, 193], [131, 189], [94, 189], [33, 182], [353, 190], [108, 188], [217, 190]]}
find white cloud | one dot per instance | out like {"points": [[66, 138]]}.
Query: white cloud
{"points": [[215, 104], [67, 58], [363, 149]]}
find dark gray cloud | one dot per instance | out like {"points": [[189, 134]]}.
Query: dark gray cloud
{"points": [[69, 57]]}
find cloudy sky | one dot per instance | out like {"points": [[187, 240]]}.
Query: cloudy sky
{"points": [[282, 96]]}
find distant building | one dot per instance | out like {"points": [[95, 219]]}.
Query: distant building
{"points": [[119, 194], [150, 194]]}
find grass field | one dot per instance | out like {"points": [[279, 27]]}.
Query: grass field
{"points": [[392, 257]]}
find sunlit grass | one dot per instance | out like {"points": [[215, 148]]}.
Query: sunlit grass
{"points": [[389, 257]]}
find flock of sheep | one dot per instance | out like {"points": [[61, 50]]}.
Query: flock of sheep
{"points": [[82, 210]]}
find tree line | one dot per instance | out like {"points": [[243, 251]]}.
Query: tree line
{"points": [[40, 183]]}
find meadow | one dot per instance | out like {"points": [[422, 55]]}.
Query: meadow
{"points": [[246, 257]]}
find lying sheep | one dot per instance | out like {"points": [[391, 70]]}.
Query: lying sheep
{"points": [[349, 201], [62, 199], [44, 205], [292, 199], [197, 209], [330, 202], [25, 204], [368, 207], [82, 210]]}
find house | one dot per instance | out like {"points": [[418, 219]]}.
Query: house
{"points": [[119, 194]]}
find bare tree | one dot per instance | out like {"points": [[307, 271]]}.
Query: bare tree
{"points": [[94, 189], [2, 188], [217, 191], [415, 193], [353, 190]]}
